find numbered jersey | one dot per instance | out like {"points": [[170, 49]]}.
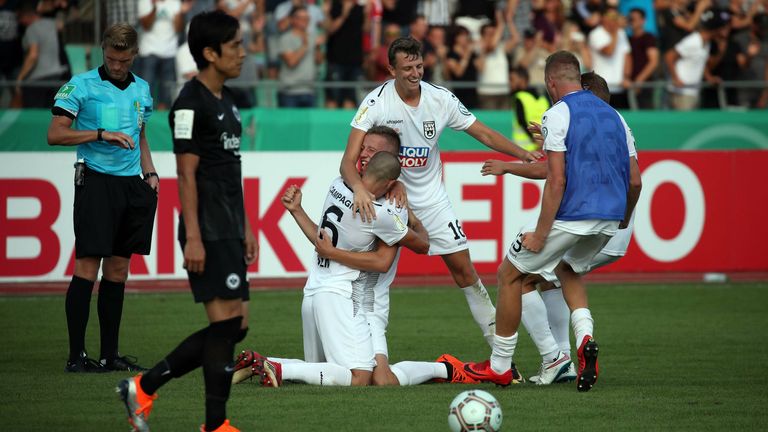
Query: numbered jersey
{"points": [[350, 233], [420, 129]]}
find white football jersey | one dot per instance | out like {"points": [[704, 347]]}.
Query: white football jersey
{"points": [[348, 233], [420, 129]]}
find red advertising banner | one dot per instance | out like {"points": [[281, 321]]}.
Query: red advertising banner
{"points": [[699, 211]]}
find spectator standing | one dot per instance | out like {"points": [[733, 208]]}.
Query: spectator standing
{"points": [[379, 69], [587, 14], [283, 15], [687, 61], [250, 15], [612, 55], [532, 55], [463, 64], [161, 21], [676, 21], [300, 55], [344, 29], [645, 58], [548, 18], [436, 55], [574, 41], [755, 60], [647, 6], [493, 77], [42, 61], [437, 12], [400, 12], [122, 11], [10, 44]]}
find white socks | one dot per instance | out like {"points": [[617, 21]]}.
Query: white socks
{"points": [[323, 374], [559, 317], [413, 373], [283, 361], [482, 309], [583, 324], [503, 350], [535, 321]]}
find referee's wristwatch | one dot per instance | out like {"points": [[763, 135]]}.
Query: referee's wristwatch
{"points": [[147, 175], [99, 131]]}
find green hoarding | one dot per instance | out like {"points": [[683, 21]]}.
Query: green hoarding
{"points": [[326, 130]]}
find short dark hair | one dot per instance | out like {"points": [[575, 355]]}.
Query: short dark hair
{"points": [[296, 9], [210, 30], [406, 45], [521, 72], [563, 65], [383, 166], [597, 85], [637, 10], [388, 133]]}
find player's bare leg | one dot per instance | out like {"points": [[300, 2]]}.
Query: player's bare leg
{"points": [[382, 373], [480, 305], [575, 293]]}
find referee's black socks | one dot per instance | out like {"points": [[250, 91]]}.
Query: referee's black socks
{"points": [[218, 368], [77, 307], [110, 308]]}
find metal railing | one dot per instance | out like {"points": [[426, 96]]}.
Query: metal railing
{"points": [[265, 91]]}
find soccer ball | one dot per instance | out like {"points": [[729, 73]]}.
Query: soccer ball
{"points": [[474, 410]]}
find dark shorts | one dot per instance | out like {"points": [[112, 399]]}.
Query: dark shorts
{"points": [[113, 216], [224, 274]]}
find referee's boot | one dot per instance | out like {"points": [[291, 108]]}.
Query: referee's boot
{"points": [[122, 363], [84, 364]]}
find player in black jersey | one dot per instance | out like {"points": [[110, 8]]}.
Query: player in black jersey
{"points": [[213, 230]]}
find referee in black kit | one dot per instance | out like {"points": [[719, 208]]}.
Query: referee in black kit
{"points": [[213, 229]]}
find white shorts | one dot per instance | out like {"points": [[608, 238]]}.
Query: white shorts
{"points": [[378, 318], [334, 334], [575, 249], [600, 260], [445, 233]]}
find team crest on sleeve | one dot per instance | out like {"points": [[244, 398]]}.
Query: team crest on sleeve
{"points": [[429, 129], [236, 112], [65, 91]]}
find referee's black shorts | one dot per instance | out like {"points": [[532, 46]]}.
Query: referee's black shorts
{"points": [[224, 275], [113, 216]]}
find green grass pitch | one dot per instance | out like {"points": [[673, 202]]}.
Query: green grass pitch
{"points": [[672, 357]]}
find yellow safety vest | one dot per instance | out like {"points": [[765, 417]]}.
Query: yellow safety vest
{"points": [[533, 109]]}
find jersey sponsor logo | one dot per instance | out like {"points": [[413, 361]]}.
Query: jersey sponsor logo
{"points": [[230, 142], [233, 281], [413, 157], [361, 115], [65, 91], [340, 197], [183, 122], [464, 110], [394, 122], [429, 129]]}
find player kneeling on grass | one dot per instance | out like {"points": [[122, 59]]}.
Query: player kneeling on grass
{"points": [[213, 230], [338, 348]]}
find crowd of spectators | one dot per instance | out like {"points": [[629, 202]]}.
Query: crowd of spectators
{"points": [[471, 46]]}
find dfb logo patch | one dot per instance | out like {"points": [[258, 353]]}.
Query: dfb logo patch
{"points": [[429, 129]]}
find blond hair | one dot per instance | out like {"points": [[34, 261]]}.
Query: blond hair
{"points": [[121, 37]]}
